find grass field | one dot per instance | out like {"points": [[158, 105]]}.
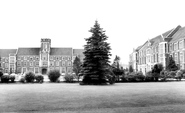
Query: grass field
{"points": [[161, 97]]}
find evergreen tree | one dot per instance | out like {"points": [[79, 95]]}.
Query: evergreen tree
{"points": [[131, 69], [116, 68], [171, 66], [77, 66], [95, 66], [156, 71]]}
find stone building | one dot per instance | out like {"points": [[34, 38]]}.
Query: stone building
{"points": [[158, 49], [39, 60]]}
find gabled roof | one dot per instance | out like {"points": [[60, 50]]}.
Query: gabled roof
{"points": [[28, 51], [6, 52], [180, 34], [61, 51]]}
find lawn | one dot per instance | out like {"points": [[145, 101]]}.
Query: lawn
{"points": [[161, 97]]}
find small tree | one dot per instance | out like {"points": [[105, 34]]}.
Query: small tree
{"points": [[116, 68], [77, 67], [171, 66], [156, 71], [131, 69]]}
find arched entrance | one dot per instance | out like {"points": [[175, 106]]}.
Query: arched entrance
{"points": [[44, 71]]}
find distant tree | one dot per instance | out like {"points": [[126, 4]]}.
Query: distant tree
{"points": [[131, 69], [156, 71], [77, 66], [95, 65], [117, 70], [171, 65]]}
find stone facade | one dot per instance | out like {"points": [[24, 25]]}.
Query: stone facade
{"points": [[39, 60], [158, 50]]}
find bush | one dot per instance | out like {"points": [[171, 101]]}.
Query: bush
{"points": [[29, 77], [130, 77], [39, 78], [139, 76], [53, 75], [69, 78], [22, 80], [163, 75], [149, 76], [172, 74], [5, 78], [12, 78], [179, 75], [1, 74]]}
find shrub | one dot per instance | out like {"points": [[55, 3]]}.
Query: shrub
{"points": [[1, 74], [69, 78], [163, 75], [53, 75], [130, 77], [5, 78], [22, 80], [139, 76], [172, 74], [12, 78], [179, 75], [39, 78], [149, 76], [29, 77]]}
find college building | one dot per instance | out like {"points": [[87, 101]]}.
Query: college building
{"points": [[159, 49], [40, 59]]}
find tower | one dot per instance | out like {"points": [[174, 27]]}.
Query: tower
{"points": [[44, 54]]}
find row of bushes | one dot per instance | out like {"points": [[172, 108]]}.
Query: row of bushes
{"points": [[30, 77], [163, 76]]}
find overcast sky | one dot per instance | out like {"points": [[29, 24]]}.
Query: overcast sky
{"points": [[128, 23]]}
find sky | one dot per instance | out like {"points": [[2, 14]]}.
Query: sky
{"points": [[128, 23]]}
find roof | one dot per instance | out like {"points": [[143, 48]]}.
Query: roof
{"points": [[28, 51], [61, 51], [6, 52], [180, 34]]}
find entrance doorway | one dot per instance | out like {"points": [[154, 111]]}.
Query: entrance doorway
{"points": [[44, 71]]}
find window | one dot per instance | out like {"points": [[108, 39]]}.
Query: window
{"points": [[57, 63], [63, 63], [37, 63], [31, 69], [69, 70], [44, 63], [19, 70], [69, 63], [181, 44], [69, 58], [181, 57], [6, 65], [24, 69], [31, 58], [63, 70], [24, 57], [18, 63], [36, 70], [51, 57], [31, 64], [57, 58], [19, 58], [51, 63], [37, 58], [63, 58]]}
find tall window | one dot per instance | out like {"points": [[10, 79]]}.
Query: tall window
{"points": [[57, 63], [181, 57]]}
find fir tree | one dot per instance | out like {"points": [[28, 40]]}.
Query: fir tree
{"points": [[131, 69], [95, 66], [77, 66], [171, 66]]}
